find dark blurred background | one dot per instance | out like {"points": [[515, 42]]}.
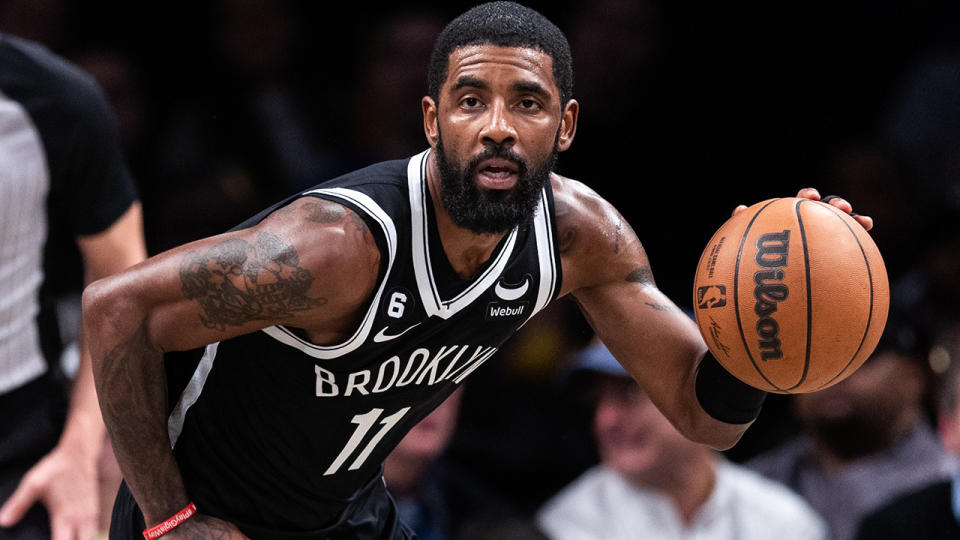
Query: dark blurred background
{"points": [[687, 109]]}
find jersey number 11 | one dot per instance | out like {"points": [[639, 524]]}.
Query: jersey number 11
{"points": [[364, 422]]}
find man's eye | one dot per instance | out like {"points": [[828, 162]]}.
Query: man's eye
{"points": [[528, 104], [471, 102]]}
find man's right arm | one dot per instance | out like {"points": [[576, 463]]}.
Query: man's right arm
{"points": [[311, 265]]}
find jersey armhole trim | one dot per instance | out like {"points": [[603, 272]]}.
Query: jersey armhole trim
{"points": [[545, 232], [358, 201]]}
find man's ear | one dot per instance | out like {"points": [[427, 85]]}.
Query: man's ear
{"points": [[430, 128], [568, 125]]}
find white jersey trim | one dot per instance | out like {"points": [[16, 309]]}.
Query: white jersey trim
{"points": [[368, 205], [191, 393], [542, 226], [422, 265]]}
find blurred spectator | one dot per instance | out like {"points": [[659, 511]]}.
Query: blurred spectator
{"points": [[117, 74], [933, 511], [923, 128], [869, 172], [120, 76], [261, 47], [40, 21], [866, 439], [654, 483], [435, 498], [622, 85], [625, 30], [245, 133], [66, 198], [387, 122], [929, 286]]}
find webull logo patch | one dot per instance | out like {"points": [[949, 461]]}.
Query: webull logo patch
{"points": [[503, 310]]}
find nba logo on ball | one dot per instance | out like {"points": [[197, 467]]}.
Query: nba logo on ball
{"points": [[711, 296], [791, 295]]}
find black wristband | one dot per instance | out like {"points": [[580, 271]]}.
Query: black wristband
{"points": [[724, 396]]}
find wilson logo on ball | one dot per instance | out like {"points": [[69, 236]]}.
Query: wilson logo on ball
{"points": [[772, 250]]}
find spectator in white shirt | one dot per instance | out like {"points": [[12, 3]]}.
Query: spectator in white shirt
{"points": [[654, 483]]}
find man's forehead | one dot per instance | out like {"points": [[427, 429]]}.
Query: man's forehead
{"points": [[476, 56]]}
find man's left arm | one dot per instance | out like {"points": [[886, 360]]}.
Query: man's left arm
{"points": [[661, 347], [65, 481], [654, 340], [606, 269]]}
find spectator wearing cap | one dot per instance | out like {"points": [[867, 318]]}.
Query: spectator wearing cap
{"points": [[867, 439], [654, 483], [931, 512]]}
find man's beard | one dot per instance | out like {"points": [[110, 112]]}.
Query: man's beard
{"points": [[851, 438], [484, 211]]}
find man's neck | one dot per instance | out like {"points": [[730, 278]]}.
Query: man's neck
{"points": [[467, 251]]}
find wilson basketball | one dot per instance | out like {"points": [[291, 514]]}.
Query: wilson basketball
{"points": [[791, 295]]}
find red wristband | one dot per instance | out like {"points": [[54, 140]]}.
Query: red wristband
{"points": [[171, 523]]}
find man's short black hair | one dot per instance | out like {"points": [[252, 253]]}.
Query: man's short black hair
{"points": [[504, 24]]}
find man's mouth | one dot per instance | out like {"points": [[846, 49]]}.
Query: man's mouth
{"points": [[497, 173]]}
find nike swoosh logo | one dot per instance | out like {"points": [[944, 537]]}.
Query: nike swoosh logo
{"points": [[511, 293], [383, 336]]}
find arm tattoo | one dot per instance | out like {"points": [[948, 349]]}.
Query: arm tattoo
{"points": [[121, 371], [662, 307], [323, 213], [319, 212], [132, 390], [237, 282], [326, 212], [643, 275]]}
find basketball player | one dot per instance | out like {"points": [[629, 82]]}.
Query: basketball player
{"points": [[64, 188], [331, 323]]}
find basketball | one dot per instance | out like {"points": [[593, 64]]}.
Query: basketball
{"points": [[791, 295]]}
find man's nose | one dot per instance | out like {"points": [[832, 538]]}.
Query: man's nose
{"points": [[498, 128]]}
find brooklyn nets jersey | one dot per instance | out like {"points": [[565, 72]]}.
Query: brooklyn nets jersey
{"points": [[279, 433]]}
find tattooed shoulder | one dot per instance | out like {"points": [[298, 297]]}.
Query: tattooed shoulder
{"points": [[323, 212], [236, 282], [320, 211]]}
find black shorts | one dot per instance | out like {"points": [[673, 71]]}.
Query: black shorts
{"points": [[31, 421], [372, 515]]}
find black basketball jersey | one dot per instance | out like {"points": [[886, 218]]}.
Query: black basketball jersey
{"points": [[279, 433]]}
